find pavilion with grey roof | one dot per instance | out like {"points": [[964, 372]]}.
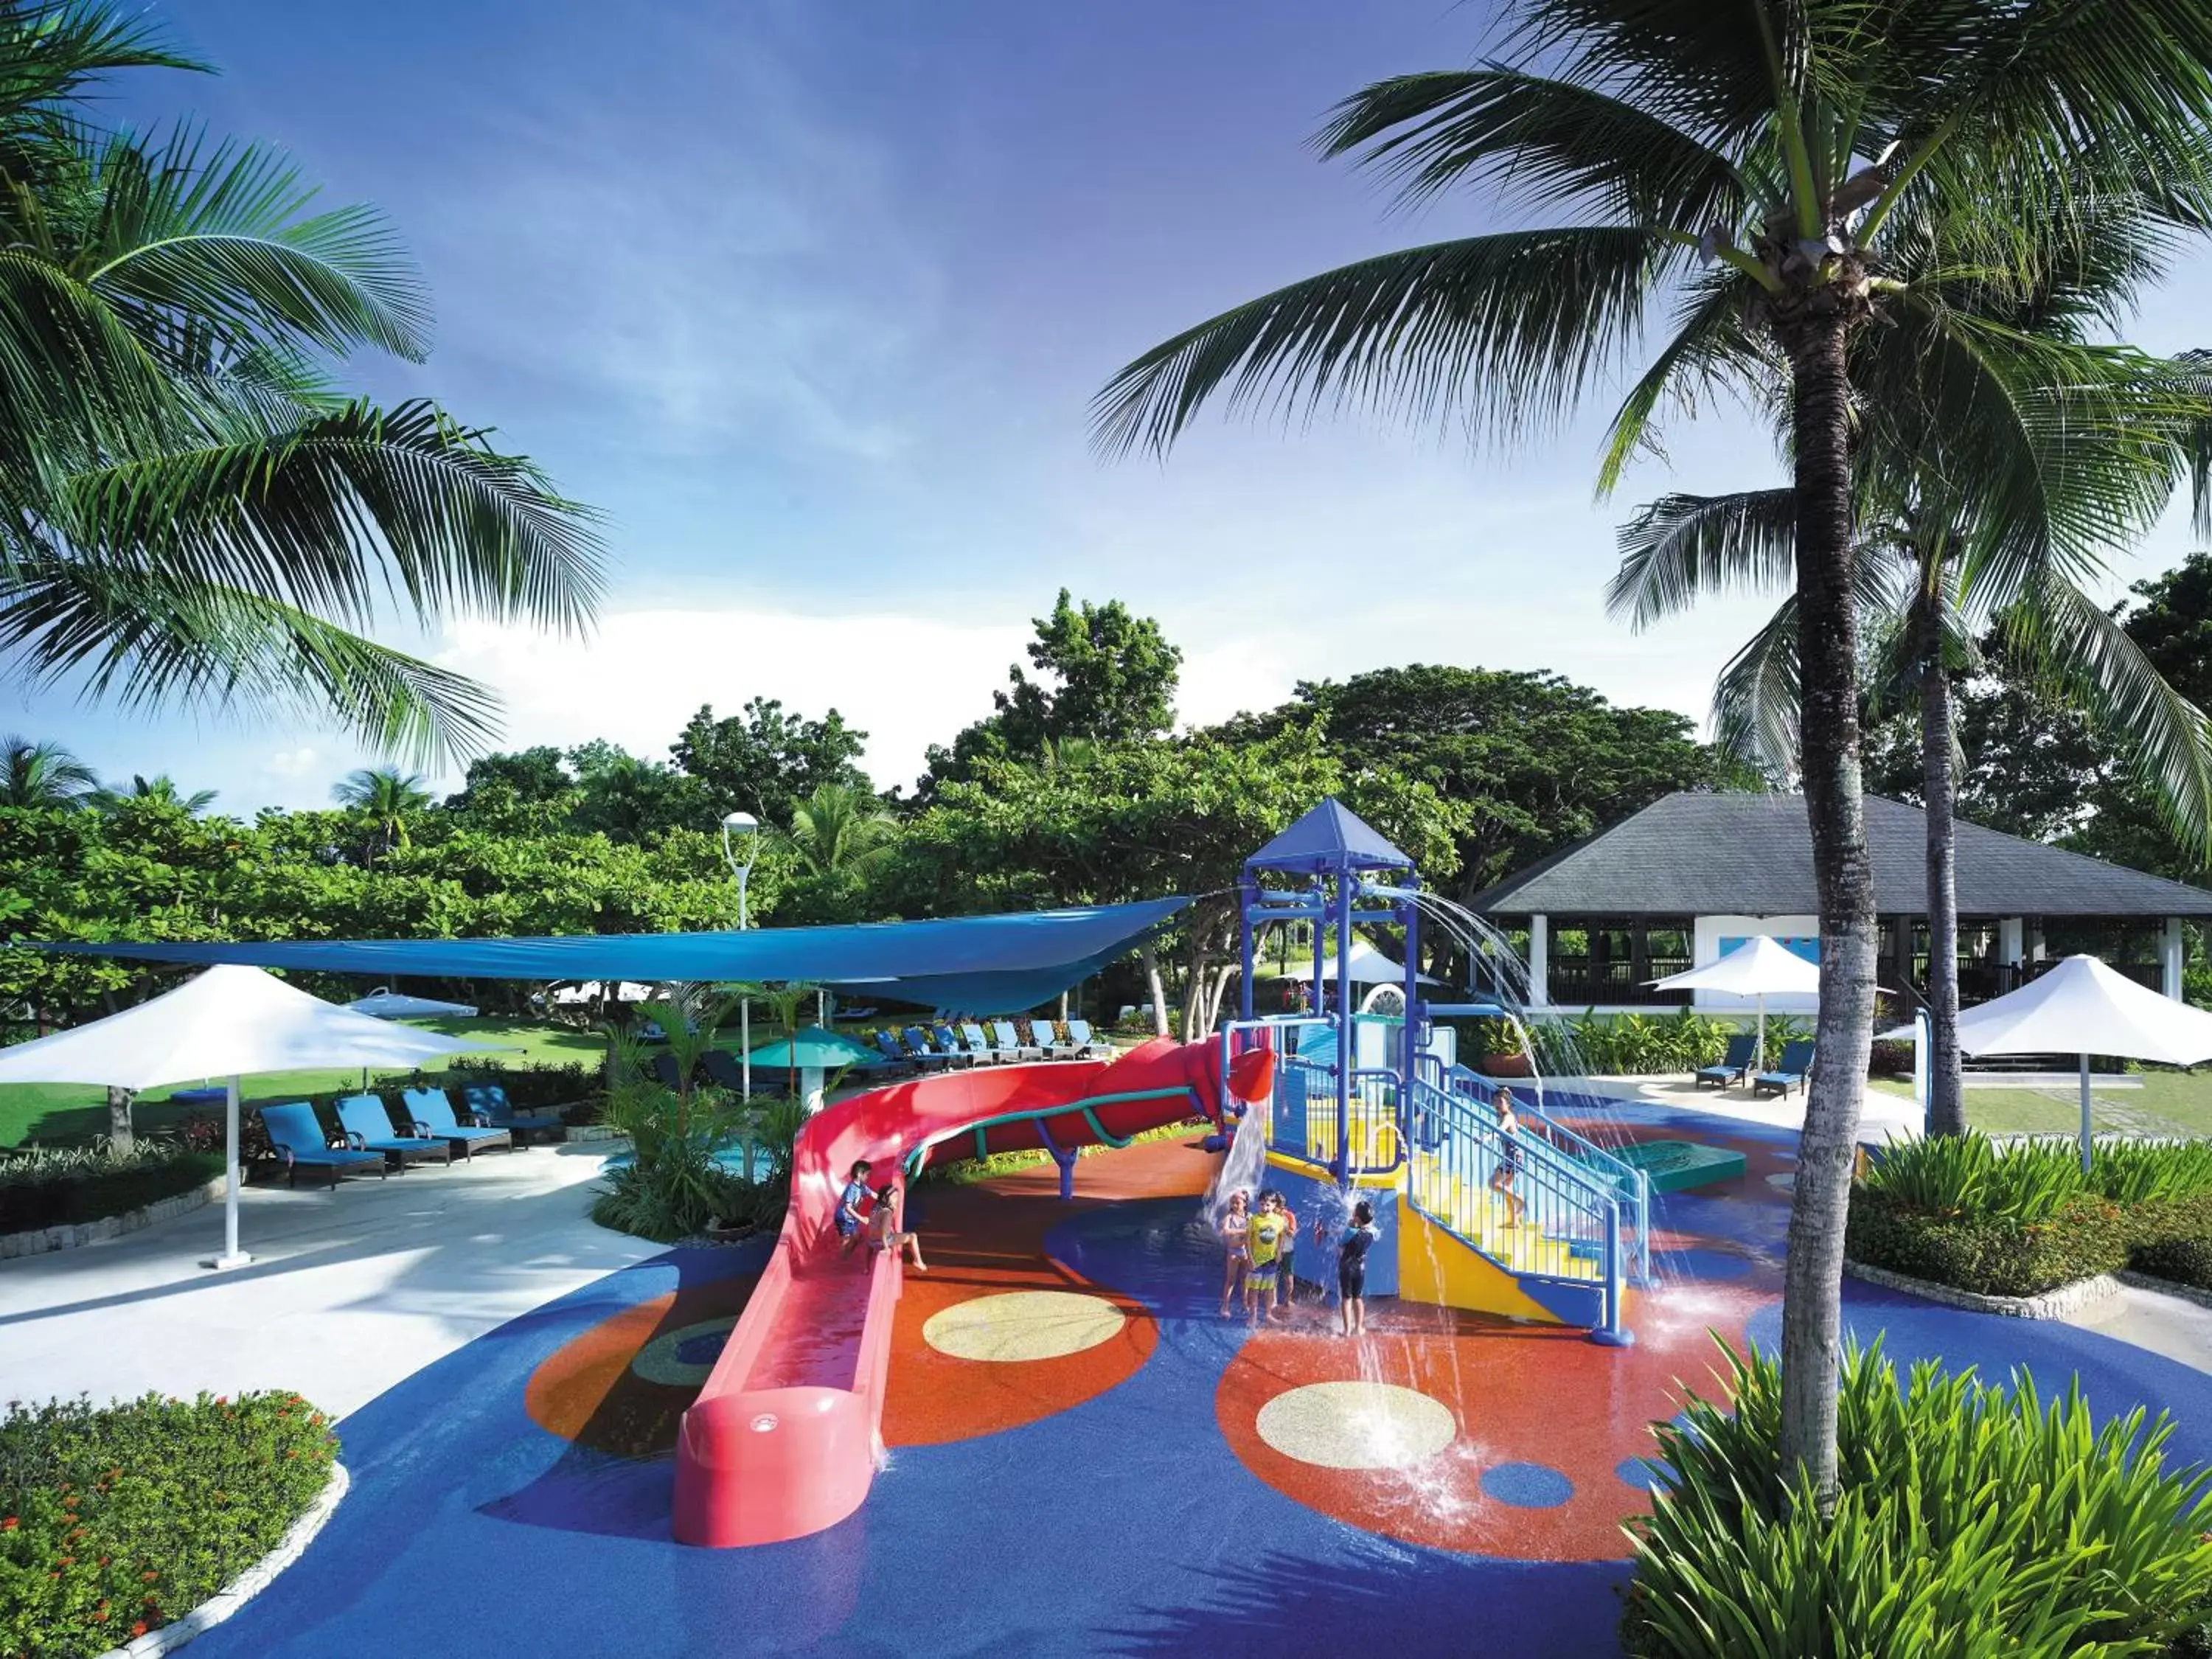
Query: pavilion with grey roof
{"points": [[1691, 876]]}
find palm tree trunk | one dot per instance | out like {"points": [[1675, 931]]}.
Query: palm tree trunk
{"points": [[1812, 1308], [1946, 1106], [120, 1135]]}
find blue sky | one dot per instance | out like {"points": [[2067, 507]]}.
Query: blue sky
{"points": [[810, 299]]}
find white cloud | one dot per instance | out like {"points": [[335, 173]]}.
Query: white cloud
{"points": [[290, 763]]}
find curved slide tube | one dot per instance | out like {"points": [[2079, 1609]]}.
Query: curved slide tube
{"points": [[784, 1440]]}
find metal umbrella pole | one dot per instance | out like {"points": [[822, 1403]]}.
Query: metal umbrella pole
{"points": [[745, 824]]}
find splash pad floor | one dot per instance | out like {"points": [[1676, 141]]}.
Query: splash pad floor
{"points": [[1086, 1458]]}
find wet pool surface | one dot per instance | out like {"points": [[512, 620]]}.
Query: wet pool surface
{"points": [[1096, 1463]]}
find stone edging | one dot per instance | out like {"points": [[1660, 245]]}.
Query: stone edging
{"points": [[2054, 1303], [2203, 1298], [591, 1131], [40, 1240], [248, 1584]]}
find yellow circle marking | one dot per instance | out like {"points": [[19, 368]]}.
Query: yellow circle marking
{"points": [[1023, 1325], [1357, 1425]]}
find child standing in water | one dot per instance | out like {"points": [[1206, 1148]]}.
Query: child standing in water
{"points": [[1509, 1164], [1236, 1240], [884, 1232], [1267, 1236], [1352, 1268]]}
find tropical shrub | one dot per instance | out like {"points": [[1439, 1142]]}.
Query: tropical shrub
{"points": [[1632, 1044], [2022, 1219], [1971, 1521], [61, 1186], [117, 1519], [2184, 1261]]}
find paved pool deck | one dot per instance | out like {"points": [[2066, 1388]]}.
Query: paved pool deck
{"points": [[1085, 1457]]}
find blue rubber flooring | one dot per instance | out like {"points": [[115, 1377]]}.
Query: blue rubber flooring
{"points": [[1124, 1525]]}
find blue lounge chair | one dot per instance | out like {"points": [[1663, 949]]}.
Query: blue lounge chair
{"points": [[298, 1137], [963, 1053], [1797, 1063], [1009, 1042], [888, 1046], [921, 1050], [368, 1128], [1079, 1038], [434, 1116], [489, 1101], [1743, 1050], [980, 1045]]}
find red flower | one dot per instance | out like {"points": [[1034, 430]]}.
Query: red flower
{"points": [[8, 1523], [148, 1578], [138, 1629]]}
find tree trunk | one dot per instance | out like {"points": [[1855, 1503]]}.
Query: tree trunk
{"points": [[1151, 959], [120, 1136], [1193, 995], [1811, 1309], [1946, 1104]]}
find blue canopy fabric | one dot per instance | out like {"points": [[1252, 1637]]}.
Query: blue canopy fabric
{"points": [[984, 964], [1332, 836]]}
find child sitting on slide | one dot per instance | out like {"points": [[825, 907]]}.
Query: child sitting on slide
{"points": [[854, 1195], [884, 1232]]}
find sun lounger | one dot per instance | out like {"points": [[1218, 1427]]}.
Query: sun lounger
{"points": [[1009, 1042], [489, 1102], [921, 1050], [1796, 1065], [1078, 1033], [945, 1042], [1742, 1051], [888, 1046], [980, 1045], [368, 1128], [298, 1137], [434, 1116]]}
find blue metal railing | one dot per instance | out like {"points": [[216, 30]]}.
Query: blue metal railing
{"points": [[1634, 1183]]}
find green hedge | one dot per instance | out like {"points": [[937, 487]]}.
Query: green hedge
{"points": [[2020, 1220], [117, 1519], [42, 1190], [1973, 1520]]}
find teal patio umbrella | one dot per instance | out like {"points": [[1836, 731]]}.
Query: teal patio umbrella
{"points": [[812, 1052]]}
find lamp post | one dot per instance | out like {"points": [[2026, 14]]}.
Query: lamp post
{"points": [[746, 825]]}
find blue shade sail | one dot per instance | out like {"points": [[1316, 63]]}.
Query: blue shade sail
{"points": [[984, 964]]}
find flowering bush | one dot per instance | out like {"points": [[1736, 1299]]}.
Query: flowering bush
{"points": [[115, 1520]]}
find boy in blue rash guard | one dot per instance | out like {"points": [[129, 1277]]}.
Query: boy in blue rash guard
{"points": [[1352, 1268], [855, 1194]]}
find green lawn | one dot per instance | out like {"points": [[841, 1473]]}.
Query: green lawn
{"points": [[60, 1112], [2168, 1103]]}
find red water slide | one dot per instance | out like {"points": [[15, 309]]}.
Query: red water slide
{"points": [[785, 1436]]}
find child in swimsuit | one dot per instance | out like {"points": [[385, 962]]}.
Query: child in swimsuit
{"points": [[1352, 1268], [1266, 1233], [884, 1232], [849, 1200], [1508, 1164], [1236, 1240]]}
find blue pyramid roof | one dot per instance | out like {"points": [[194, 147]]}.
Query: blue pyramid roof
{"points": [[1330, 837]]}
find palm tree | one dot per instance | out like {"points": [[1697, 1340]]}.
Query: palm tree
{"points": [[1944, 559], [1744, 170], [43, 775], [192, 509], [841, 830], [388, 796], [162, 790]]}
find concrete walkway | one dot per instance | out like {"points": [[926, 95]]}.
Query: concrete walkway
{"points": [[349, 1293], [2166, 1325], [1881, 1116]]}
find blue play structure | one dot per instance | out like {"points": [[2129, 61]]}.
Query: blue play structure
{"points": [[1372, 1105]]}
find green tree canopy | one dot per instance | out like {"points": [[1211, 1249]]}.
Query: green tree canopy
{"points": [[767, 759]]}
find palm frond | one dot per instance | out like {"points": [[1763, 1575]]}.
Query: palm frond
{"points": [[330, 513], [1711, 350], [1502, 331], [225, 237], [1547, 141], [1755, 699], [1683, 547], [143, 641], [2163, 738]]}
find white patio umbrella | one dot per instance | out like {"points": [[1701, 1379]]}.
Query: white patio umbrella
{"points": [[2082, 1007], [1759, 967], [1368, 967], [385, 1003], [227, 1022]]}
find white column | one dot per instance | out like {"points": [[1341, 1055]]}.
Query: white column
{"points": [[2012, 940], [2173, 956], [1540, 961]]}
